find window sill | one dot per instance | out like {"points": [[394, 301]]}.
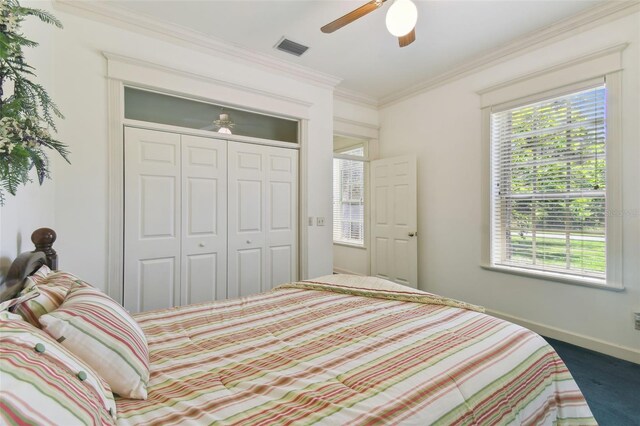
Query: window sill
{"points": [[550, 276], [352, 245]]}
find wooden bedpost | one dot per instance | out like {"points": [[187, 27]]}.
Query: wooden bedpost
{"points": [[43, 238]]}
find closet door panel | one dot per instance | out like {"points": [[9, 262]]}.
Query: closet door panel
{"points": [[280, 203], [249, 206], [200, 278], [152, 228], [157, 283], [156, 206], [250, 267], [282, 216], [204, 219], [246, 218], [202, 209], [280, 265]]}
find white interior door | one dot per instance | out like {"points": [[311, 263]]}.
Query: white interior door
{"points": [[394, 234], [204, 220], [262, 217], [152, 197]]}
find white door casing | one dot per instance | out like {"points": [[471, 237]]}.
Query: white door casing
{"points": [[394, 221], [152, 198], [262, 214], [204, 220], [131, 71]]}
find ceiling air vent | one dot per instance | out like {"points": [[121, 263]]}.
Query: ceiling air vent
{"points": [[292, 47]]}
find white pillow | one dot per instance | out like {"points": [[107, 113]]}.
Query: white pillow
{"points": [[99, 331]]}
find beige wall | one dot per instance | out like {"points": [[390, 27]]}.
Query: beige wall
{"points": [[443, 128], [361, 122], [33, 206], [77, 76]]}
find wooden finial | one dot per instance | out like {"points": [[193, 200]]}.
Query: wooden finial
{"points": [[43, 238]]}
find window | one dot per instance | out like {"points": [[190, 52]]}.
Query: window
{"points": [[348, 197], [143, 105], [549, 185]]}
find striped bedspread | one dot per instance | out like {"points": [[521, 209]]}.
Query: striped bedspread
{"points": [[308, 356]]}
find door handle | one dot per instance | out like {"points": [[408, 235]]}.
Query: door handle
{"points": [[413, 234], [248, 241]]}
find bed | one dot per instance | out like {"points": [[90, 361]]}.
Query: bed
{"points": [[344, 350]]}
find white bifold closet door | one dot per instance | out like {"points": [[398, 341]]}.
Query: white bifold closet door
{"points": [[206, 219], [175, 219], [263, 206]]}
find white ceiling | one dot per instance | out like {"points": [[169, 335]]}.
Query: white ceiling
{"points": [[363, 53]]}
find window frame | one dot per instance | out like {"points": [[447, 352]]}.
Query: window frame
{"points": [[364, 159], [613, 225]]}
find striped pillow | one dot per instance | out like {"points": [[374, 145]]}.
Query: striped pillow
{"points": [[42, 272], [43, 383], [9, 305], [52, 288], [98, 330], [6, 315], [28, 292]]}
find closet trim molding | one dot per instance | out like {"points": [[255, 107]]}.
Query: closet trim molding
{"points": [[123, 71]]}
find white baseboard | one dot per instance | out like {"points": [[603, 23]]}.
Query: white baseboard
{"points": [[344, 271], [622, 352]]}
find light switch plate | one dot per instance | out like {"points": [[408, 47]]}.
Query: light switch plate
{"points": [[310, 220], [320, 221]]}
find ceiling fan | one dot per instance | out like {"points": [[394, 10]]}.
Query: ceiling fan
{"points": [[401, 19]]}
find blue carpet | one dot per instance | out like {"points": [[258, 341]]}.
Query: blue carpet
{"points": [[610, 385]]}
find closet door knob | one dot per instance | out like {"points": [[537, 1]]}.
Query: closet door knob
{"points": [[202, 244], [248, 241]]}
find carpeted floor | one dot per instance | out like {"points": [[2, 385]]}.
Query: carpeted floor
{"points": [[610, 385]]}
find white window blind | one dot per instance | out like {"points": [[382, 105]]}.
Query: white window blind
{"points": [[348, 200], [549, 185]]}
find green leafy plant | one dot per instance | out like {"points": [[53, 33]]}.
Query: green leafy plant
{"points": [[26, 111]]}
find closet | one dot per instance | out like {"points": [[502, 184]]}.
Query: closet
{"points": [[205, 218]]}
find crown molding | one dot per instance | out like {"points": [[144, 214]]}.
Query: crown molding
{"points": [[356, 123], [357, 129], [356, 98], [118, 16], [116, 58], [595, 16], [140, 23]]}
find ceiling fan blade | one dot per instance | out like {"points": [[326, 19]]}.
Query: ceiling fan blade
{"points": [[352, 16], [407, 39]]}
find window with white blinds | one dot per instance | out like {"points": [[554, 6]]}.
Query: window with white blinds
{"points": [[548, 177], [348, 199]]}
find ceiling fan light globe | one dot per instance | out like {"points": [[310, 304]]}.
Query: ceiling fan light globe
{"points": [[401, 17], [224, 130]]}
